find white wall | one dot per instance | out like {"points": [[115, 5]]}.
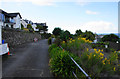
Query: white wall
{"points": [[17, 21], [34, 27], [24, 23], [1, 24]]}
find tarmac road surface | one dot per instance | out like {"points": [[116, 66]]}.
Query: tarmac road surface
{"points": [[28, 61]]}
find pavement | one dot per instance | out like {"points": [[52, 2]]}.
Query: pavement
{"points": [[28, 61]]}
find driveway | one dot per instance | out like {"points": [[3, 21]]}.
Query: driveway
{"points": [[28, 60]]}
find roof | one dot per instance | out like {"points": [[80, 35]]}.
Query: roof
{"points": [[14, 14], [1, 11], [42, 24], [10, 14]]}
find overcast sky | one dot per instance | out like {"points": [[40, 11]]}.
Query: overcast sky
{"points": [[99, 17]]}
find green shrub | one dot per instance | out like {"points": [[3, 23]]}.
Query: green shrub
{"points": [[52, 46], [57, 41], [60, 62], [49, 40], [93, 62]]}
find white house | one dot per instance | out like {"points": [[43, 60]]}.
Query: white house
{"points": [[98, 38], [3, 47], [34, 27], [24, 23], [11, 20]]}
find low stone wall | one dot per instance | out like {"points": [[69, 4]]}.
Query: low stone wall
{"points": [[15, 37]]}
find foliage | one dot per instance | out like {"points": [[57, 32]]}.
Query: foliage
{"points": [[45, 28], [30, 28], [92, 61], [78, 32], [53, 36], [99, 44], [110, 37], [58, 41], [57, 31], [95, 63], [39, 27], [76, 45], [60, 62], [42, 28], [89, 35], [25, 29], [49, 40], [52, 46], [47, 35], [22, 27], [65, 35]]}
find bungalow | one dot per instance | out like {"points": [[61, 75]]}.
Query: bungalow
{"points": [[23, 23], [34, 26], [44, 30], [11, 20], [98, 38], [26, 22]]}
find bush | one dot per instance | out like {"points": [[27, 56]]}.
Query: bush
{"points": [[60, 62], [49, 40], [93, 62], [77, 45], [52, 46], [58, 41]]}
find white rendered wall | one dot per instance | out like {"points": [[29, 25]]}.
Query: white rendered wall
{"points": [[17, 21], [1, 32]]}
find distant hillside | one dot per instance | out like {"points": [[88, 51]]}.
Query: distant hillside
{"points": [[109, 33]]}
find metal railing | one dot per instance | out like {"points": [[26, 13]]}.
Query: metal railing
{"points": [[78, 67]]}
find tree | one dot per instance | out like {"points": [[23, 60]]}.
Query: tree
{"points": [[57, 31], [39, 27], [110, 37], [78, 32], [45, 28], [65, 35], [89, 35]]}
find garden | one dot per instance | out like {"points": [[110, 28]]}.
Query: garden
{"points": [[94, 61]]}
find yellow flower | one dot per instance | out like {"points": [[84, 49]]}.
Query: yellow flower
{"points": [[105, 58], [87, 49], [90, 41], [101, 54], [63, 42], [101, 57], [114, 69], [73, 40], [97, 52], [102, 50], [94, 55], [70, 41], [78, 38], [103, 61], [95, 49]]}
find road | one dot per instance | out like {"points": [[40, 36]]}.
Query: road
{"points": [[28, 60]]}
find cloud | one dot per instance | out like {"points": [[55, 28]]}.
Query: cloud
{"points": [[36, 2], [52, 2], [94, 26], [91, 12], [99, 27]]}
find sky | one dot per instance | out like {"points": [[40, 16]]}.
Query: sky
{"points": [[98, 17]]}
